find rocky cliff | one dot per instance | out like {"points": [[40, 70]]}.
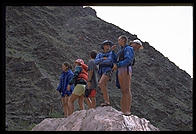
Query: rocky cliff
{"points": [[99, 119], [40, 38]]}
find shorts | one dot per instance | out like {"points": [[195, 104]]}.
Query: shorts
{"points": [[108, 74], [79, 89], [63, 95], [92, 93]]}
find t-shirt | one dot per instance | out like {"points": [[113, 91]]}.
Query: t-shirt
{"points": [[92, 66]]}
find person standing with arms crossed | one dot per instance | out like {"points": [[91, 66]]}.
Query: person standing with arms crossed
{"points": [[105, 60]]}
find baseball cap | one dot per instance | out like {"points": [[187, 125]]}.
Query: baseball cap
{"points": [[137, 42]]}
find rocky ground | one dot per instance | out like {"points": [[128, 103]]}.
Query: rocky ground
{"points": [[40, 38], [99, 119]]}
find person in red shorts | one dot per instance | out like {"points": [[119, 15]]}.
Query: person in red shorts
{"points": [[92, 83]]}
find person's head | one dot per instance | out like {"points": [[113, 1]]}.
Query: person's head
{"points": [[122, 40], [93, 54], [136, 44], [66, 66], [106, 45], [79, 62]]}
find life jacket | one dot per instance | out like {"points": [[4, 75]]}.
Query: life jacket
{"points": [[84, 73], [121, 57], [109, 63]]}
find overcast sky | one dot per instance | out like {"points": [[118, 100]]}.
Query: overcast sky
{"points": [[169, 29]]}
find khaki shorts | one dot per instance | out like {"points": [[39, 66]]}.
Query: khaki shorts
{"points": [[79, 89]]}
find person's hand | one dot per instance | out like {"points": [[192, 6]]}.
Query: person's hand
{"points": [[104, 58], [113, 47], [114, 67], [68, 88]]}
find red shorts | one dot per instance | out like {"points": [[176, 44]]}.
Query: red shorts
{"points": [[93, 93]]}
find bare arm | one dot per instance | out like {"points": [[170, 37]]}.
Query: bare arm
{"points": [[90, 74]]}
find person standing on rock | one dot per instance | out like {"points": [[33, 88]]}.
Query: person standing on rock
{"points": [[92, 83], [65, 77], [79, 80], [123, 66], [105, 61]]}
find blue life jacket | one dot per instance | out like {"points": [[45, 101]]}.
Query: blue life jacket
{"points": [[125, 56], [105, 65]]}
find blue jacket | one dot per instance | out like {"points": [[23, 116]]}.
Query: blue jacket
{"points": [[105, 65], [64, 80], [128, 56]]}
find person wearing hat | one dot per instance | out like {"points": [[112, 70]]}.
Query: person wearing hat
{"points": [[105, 60], [79, 79], [136, 44], [123, 66]]}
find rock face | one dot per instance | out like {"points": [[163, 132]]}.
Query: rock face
{"points": [[40, 38], [99, 119]]}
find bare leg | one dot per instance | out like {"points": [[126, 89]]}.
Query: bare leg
{"points": [[64, 108], [71, 103], [81, 102], [103, 85], [125, 81], [65, 105], [88, 101], [93, 100]]}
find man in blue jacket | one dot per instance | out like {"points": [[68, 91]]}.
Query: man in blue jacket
{"points": [[124, 70], [105, 61]]}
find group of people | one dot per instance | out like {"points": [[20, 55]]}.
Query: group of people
{"points": [[83, 82]]}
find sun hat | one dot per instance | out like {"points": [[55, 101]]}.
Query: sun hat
{"points": [[107, 42]]}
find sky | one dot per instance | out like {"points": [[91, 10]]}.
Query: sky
{"points": [[169, 29]]}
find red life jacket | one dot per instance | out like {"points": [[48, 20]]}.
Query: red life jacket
{"points": [[84, 74]]}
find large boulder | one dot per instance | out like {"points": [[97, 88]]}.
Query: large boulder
{"points": [[99, 119]]}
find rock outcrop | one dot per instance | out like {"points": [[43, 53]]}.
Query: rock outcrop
{"points": [[99, 119]]}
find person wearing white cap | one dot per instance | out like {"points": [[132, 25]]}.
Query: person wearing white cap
{"points": [[124, 63], [136, 44]]}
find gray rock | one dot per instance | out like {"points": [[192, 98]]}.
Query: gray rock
{"points": [[99, 119]]}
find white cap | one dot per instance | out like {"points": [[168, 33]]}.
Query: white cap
{"points": [[139, 43]]}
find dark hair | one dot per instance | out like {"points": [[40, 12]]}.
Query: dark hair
{"points": [[93, 54], [67, 65], [124, 38]]}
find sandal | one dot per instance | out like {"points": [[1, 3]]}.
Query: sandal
{"points": [[105, 104]]}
